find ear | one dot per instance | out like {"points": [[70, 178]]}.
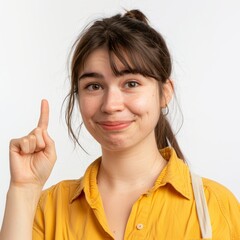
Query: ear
{"points": [[167, 94]]}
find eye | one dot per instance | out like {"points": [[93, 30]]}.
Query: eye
{"points": [[93, 87], [132, 84]]}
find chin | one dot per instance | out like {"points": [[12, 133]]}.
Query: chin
{"points": [[116, 145]]}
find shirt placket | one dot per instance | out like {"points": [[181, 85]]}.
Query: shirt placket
{"points": [[139, 218]]}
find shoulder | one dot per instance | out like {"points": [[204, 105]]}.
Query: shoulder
{"points": [[68, 190], [60, 192], [219, 192], [224, 208], [53, 203]]}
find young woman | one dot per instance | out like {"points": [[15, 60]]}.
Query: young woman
{"points": [[140, 188]]}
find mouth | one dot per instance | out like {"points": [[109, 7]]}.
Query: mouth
{"points": [[114, 125]]}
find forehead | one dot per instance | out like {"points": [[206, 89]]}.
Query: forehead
{"points": [[120, 61], [102, 57]]}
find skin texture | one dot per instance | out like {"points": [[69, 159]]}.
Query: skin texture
{"points": [[31, 160], [121, 113], [32, 157], [118, 111]]}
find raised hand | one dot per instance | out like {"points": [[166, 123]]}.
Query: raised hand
{"points": [[32, 157]]}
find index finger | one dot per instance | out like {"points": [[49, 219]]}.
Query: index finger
{"points": [[44, 115]]}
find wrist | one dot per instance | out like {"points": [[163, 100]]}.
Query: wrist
{"points": [[21, 204], [28, 193], [25, 186]]}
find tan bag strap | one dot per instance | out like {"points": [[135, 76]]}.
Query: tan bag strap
{"points": [[201, 205]]}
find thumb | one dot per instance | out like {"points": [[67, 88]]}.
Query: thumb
{"points": [[50, 149]]}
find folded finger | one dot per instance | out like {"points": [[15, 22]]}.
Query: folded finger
{"points": [[40, 143]]}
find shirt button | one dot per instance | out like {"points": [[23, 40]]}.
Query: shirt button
{"points": [[139, 226]]}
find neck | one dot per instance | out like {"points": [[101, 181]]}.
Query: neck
{"points": [[131, 169]]}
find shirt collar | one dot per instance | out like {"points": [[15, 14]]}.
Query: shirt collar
{"points": [[88, 182], [176, 173]]}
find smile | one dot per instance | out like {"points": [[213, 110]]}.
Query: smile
{"points": [[116, 125]]}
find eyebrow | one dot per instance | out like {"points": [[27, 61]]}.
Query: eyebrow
{"points": [[90, 75], [100, 76]]}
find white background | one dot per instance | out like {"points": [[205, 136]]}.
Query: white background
{"points": [[204, 39]]}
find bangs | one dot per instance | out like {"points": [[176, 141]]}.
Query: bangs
{"points": [[138, 49], [134, 59]]}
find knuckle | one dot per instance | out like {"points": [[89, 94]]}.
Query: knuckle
{"points": [[24, 140], [12, 142], [32, 137], [36, 131]]}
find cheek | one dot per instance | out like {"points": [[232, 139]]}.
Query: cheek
{"points": [[86, 107], [149, 104], [140, 106]]}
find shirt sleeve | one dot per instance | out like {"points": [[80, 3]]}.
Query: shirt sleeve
{"points": [[224, 210], [231, 209], [38, 225]]}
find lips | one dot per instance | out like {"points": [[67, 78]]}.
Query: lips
{"points": [[114, 125]]}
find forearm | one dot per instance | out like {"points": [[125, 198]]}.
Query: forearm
{"points": [[19, 214]]}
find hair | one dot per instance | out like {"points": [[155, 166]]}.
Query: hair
{"points": [[139, 47]]}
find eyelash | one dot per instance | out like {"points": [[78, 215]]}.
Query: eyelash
{"points": [[128, 84], [93, 85], [136, 84]]}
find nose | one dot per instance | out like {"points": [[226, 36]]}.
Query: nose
{"points": [[113, 101]]}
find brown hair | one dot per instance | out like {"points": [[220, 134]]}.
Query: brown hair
{"points": [[139, 47]]}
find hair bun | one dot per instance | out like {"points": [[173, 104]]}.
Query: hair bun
{"points": [[136, 14]]}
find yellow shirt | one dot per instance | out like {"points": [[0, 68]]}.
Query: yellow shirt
{"points": [[73, 209]]}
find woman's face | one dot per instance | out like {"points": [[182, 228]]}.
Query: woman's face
{"points": [[119, 111]]}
